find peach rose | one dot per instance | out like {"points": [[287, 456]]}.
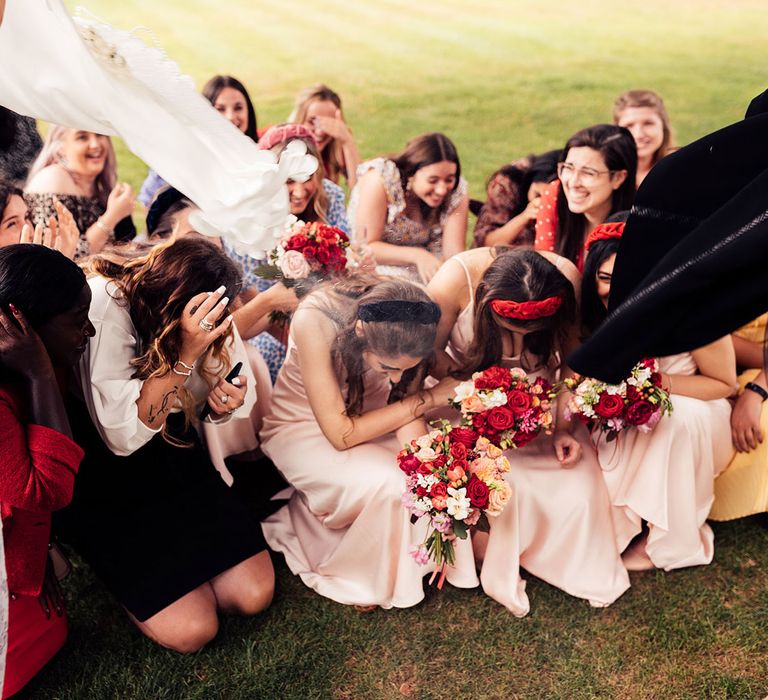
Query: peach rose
{"points": [[498, 498]]}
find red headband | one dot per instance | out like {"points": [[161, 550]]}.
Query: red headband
{"points": [[604, 232], [527, 310]]}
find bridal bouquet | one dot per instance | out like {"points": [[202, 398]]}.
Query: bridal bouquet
{"points": [[639, 401], [505, 406], [455, 478], [309, 254]]}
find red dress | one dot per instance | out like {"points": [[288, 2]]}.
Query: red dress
{"points": [[37, 476]]}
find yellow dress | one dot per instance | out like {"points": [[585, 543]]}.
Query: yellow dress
{"points": [[742, 489]]}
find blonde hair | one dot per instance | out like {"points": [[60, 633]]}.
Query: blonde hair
{"points": [[333, 155], [652, 100], [49, 155]]}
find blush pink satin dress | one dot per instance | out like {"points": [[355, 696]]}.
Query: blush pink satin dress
{"points": [[345, 531], [666, 477], [557, 525]]}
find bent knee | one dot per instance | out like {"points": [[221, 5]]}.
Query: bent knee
{"points": [[189, 636], [255, 598]]}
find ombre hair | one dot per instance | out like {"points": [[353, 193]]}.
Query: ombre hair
{"points": [[520, 274], [332, 156], [156, 287], [652, 100], [50, 154]]}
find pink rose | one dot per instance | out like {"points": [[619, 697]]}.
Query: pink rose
{"points": [[294, 265], [498, 498]]}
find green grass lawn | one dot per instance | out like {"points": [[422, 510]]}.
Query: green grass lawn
{"points": [[502, 78]]}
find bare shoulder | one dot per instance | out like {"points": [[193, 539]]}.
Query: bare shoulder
{"points": [[52, 179]]}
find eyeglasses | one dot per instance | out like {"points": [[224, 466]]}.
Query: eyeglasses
{"points": [[589, 176]]}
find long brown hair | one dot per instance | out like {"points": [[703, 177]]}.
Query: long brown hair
{"points": [[520, 274], [420, 152], [156, 287], [617, 147], [390, 338]]}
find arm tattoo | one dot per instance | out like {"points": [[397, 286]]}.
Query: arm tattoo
{"points": [[165, 405]]}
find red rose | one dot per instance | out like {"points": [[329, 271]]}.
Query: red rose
{"points": [[639, 413], [656, 379], [409, 463], [632, 394], [323, 256], [296, 242], [609, 405], [519, 402], [477, 492], [458, 450], [522, 439], [439, 490], [438, 462], [421, 491], [494, 378], [310, 251], [501, 418], [465, 436]]}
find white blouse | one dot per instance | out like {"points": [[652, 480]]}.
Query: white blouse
{"points": [[104, 374]]}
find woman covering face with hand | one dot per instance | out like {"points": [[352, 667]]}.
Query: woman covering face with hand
{"points": [[44, 329], [163, 345]]}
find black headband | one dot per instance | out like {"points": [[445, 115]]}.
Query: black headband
{"points": [[399, 311]]}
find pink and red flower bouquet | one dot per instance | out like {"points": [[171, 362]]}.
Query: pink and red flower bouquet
{"points": [[505, 406], [309, 254], [455, 478], [638, 402]]}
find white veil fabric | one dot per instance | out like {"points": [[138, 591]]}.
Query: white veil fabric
{"points": [[82, 73]]}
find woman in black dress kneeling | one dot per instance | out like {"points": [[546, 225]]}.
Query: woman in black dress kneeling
{"points": [[151, 514]]}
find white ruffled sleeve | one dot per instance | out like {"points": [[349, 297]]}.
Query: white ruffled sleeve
{"points": [[104, 373]]}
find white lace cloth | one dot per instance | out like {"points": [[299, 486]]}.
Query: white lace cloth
{"points": [[87, 75]]}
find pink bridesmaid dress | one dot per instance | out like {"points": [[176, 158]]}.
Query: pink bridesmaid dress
{"points": [[666, 477], [345, 531], [557, 524]]}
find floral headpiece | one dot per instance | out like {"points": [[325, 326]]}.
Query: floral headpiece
{"points": [[284, 132], [527, 310], [604, 232], [400, 311]]}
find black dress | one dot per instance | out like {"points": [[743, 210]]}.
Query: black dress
{"points": [[158, 523]]}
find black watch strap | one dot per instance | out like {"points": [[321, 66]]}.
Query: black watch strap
{"points": [[757, 389]]}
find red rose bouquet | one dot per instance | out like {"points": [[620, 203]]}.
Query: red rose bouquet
{"points": [[505, 406], [639, 401], [312, 252], [455, 478]]}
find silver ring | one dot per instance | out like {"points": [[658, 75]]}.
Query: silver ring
{"points": [[224, 398], [206, 325]]}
